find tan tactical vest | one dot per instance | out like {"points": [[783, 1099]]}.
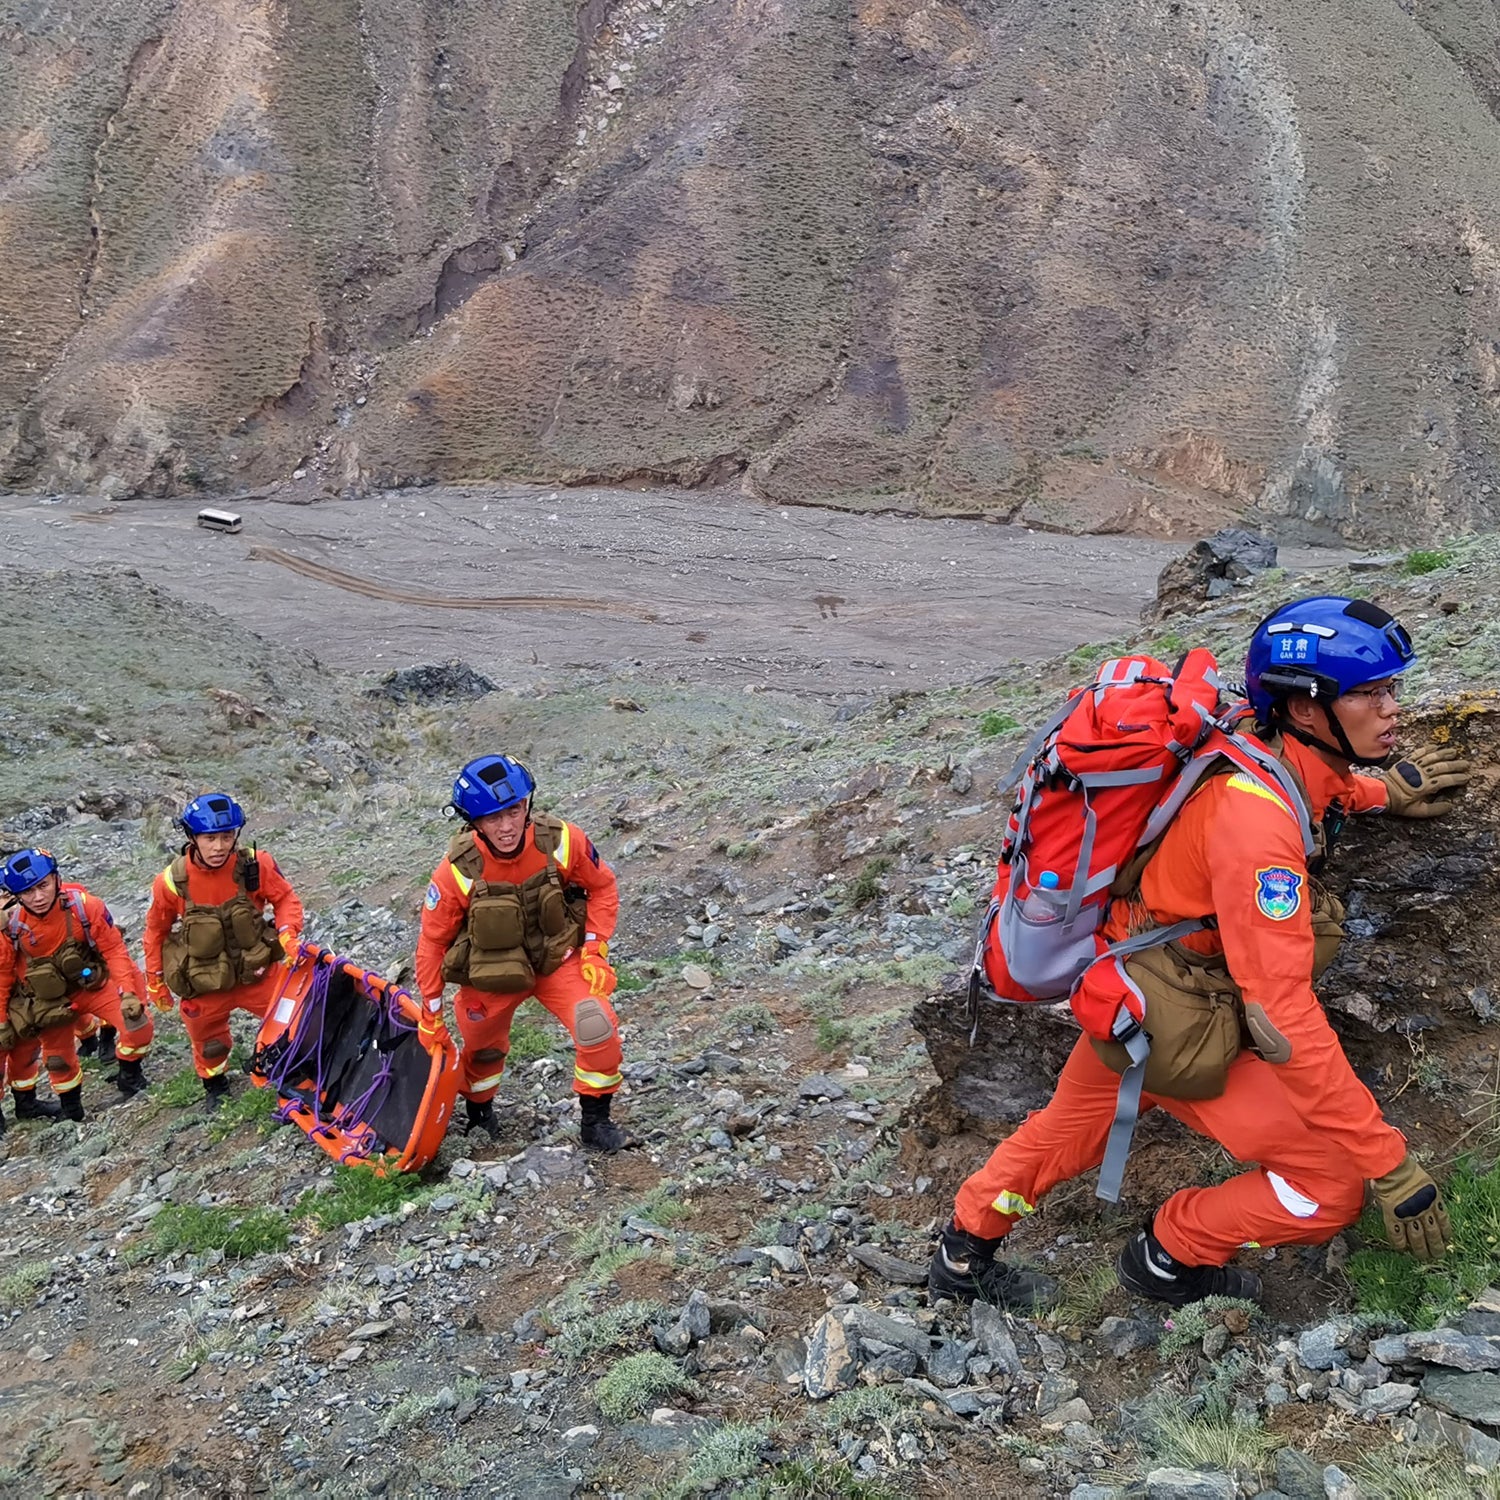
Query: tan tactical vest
{"points": [[73, 966], [214, 948], [1196, 1015], [515, 932]]}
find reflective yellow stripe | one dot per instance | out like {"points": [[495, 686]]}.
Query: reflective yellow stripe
{"points": [[166, 876], [214, 1072], [66, 1085], [1013, 1204], [1243, 783], [121, 1050], [597, 1080], [28, 1083], [465, 885], [485, 1083], [563, 844]]}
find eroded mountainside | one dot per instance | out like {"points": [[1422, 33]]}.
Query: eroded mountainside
{"points": [[1098, 268]]}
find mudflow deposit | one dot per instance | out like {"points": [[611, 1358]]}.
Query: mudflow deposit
{"points": [[1136, 265]]}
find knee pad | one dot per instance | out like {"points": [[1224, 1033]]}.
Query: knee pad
{"points": [[215, 1049], [591, 1025], [489, 1055], [58, 1065]]}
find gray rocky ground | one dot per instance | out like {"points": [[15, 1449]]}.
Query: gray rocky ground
{"points": [[736, 1308]]}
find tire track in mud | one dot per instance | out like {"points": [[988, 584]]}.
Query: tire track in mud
{"points": [[371, 589]]}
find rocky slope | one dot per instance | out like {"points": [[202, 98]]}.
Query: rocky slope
{"points": [[210, 1309], [1165, 260]]}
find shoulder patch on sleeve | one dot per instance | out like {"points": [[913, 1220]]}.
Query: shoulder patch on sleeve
{"points": [[1278, 892], [434, 895], [592, 852]]}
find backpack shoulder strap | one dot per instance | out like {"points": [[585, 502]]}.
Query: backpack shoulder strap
{"points": [[552, 837], [467, 861], [176, 877], [79, 908]]}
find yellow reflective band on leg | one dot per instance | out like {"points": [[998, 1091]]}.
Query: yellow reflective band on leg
{"points": [[485, 1083], [130, 1053], [1013, 1205], [214, 1071], [67, 1085], [598, 1080]]}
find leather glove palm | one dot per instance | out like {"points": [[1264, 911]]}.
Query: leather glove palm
{"points": [[1422, 784], [1412, 1207], [430, 1023], [597, 973], [158, 993]]}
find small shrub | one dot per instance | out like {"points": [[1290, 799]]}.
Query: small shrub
{"points": [[815, 1479], [183, 1089], [639, 1382], [883, 1406], [238, 1233], [750, 1017], [21, 1285], [1419, 562], [726, 1454], [866, 885], [528, 1041], [591, 1330], [253, 1107], [832, 1034], [1187, 1325], [993, 723]]}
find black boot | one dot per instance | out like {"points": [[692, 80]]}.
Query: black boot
{"points": [[481, 1113], [131, 1079], [215, 1092], [1145, 1269], [600, 1133], [29, 1107], [89, 1045], [964, 1268], [107, 1036], [72, 1105]]}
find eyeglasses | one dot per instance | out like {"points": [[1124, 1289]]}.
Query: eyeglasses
{"points": [[1378, 694]]}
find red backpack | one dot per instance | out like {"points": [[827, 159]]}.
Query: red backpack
{"points": [[1101, 781]]}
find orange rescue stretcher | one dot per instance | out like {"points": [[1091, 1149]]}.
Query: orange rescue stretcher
{"points": [[340, 1046]]}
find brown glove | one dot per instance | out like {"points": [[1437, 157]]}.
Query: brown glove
{"points": [[1415, 1219], [9, 1036], [1421, 784]]}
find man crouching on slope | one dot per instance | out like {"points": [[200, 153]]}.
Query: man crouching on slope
{"points": [[1323, 678], [522, 905]]}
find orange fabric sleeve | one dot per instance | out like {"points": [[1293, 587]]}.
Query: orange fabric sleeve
{"points": [[163, 912], [587, 868], [1261, 896], [1367, 794], [7, 974], [443, 913], [112, 949], [277, 889]]}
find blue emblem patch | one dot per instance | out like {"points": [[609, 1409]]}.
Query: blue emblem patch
{"points": [[1278, 892], [1294, 650], [434, 895]]}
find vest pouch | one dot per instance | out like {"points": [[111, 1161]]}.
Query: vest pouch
{"points": [[48, 982], [247, 925], [497, 922], [552, 911], [1328, 928], [202, 933], [1192, 1019], [456, 961], [208, 976], [501, 973]]}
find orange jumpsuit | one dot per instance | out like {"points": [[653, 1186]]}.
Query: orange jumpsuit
{"points": [[207, 1017], [483, 1018], [36, 937], [1234, 852]]}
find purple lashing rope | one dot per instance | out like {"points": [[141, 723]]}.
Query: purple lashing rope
{"points": [[314, 1013]]}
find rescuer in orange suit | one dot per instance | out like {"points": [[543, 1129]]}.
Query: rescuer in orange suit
{"points": [[209, 939], [1323, 677], [522, 906], [20, 1063], [63, 958]]}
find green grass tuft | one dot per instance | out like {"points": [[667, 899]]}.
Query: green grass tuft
{"points": [[727, 1454], [639, 1382], [591, 1330], [182, 1090], [359, 1194], [865, 886], [1419, 562], [528, 1041], [238, 1233], [993, 723], [1188, 1325], [21, 1285], [253, 1107], [1389, 1283]]}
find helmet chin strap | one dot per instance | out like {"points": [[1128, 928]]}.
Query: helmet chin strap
{"points": [[1343, 750]]}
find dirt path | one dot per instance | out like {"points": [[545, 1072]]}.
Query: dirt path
{"points": [[687, 587]]}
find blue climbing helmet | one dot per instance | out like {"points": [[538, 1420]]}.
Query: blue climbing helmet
{"points": [[26, 868], [213, 812], [490, 784], [1323, 647]]}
